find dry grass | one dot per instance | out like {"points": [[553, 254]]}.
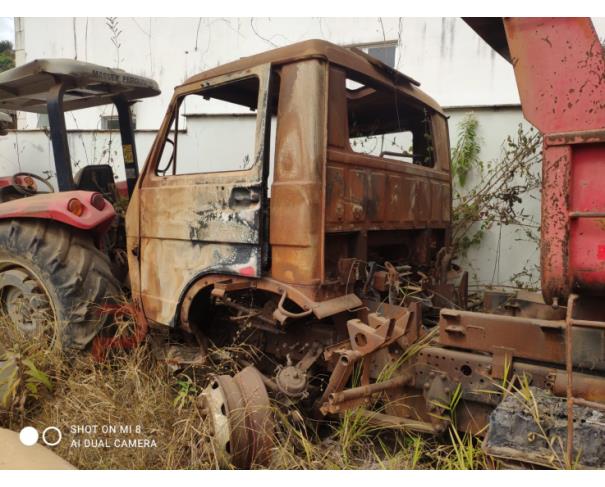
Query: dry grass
{"points": [[135, 389]]}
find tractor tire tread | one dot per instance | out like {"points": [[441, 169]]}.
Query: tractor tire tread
{"points": [[76, 274]]}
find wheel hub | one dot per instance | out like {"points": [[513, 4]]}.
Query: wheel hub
{"points": [[240, 419], [292, 382], [23, 301]]}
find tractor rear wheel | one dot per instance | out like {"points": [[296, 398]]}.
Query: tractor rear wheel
{"points": [[53, 276]]}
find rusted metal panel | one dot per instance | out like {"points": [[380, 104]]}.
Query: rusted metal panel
{"points": [[296, 234], [162, 286], [377, 205], [520, 337], [201, 214], [315, 49], [572, 250], [559, 65], [334, 306], [194, 224], [556, 171], [335, 195], [361, 196], [366, 193], [396, 204]]}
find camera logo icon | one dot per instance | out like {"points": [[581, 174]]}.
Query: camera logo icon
{"points": [[51, 436]]}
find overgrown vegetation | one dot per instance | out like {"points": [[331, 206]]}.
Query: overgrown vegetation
{"points": [[134, 389], [495, 193], [465, 155], [113, 25], [7, 55]]}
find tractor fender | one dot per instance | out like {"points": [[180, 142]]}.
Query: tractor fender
{"points": [[53, 206]]}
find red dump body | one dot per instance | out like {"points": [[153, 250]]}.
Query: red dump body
{"points": [[560, 71]]}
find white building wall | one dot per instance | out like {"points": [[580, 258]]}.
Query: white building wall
{"points": [[505, 256], [452, 63]]}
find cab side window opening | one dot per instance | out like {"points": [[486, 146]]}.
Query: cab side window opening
{"points": [[382, 123], [213, 130]]}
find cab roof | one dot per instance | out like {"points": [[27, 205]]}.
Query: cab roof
{"points": [[363, 66], [87, 85]]}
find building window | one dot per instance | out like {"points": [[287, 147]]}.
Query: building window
{"points": [[112, 122], [383, 51]]}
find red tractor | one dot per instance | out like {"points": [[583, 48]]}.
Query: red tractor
{"points": [[62, 253]]}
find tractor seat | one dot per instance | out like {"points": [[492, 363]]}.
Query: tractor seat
{"points": [[97, 177]]}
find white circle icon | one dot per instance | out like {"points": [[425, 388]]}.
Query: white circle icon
{"points": [[29, 436], [52, 443]]}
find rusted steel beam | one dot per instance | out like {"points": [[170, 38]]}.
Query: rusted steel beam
{"points": [[589, 404], [569, 369], [588, 387], [340, 375], [369, 390], [468, 368], [598, 325], [587, 214], [528, 338]]}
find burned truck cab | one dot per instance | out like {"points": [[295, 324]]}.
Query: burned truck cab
{"points": [[294, 172], [284, 200], [376, 169]]}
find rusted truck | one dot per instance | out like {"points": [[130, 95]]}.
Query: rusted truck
{"points": [[324, 243]]}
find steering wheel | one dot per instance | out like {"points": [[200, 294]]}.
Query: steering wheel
{"points": [[30, 187]]}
